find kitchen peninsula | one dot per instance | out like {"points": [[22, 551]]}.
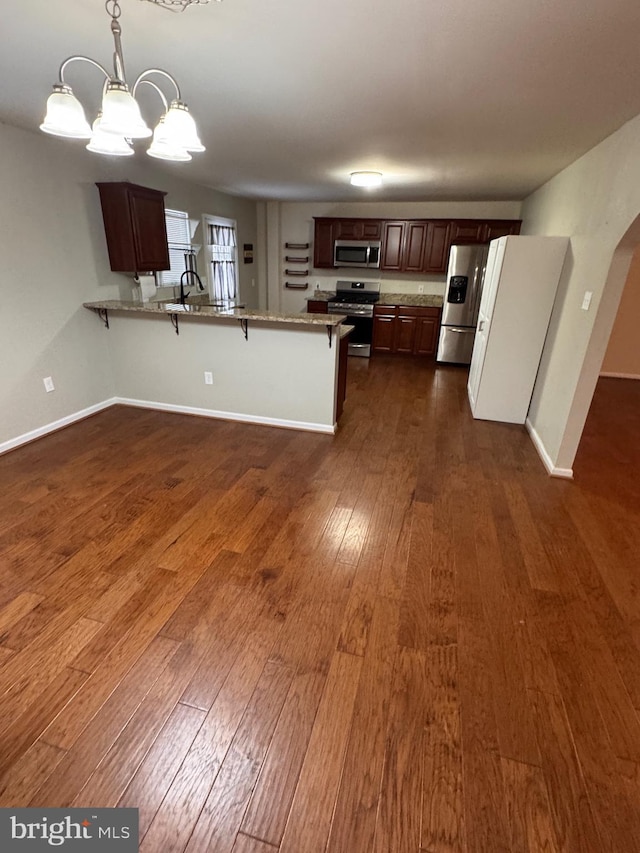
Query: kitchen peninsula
{"points": [[231, 363]]}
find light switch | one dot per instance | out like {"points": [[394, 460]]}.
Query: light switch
{"points": [[586, 302]]}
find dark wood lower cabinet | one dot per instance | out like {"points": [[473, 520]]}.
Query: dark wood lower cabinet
{"points": [[384, 325], [426, 339], [405, 330]]}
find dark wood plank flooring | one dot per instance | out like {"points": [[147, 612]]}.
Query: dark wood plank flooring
{"points": [[406, 637]]}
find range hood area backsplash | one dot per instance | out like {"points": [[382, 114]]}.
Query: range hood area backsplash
{"points": [[326, 281]]}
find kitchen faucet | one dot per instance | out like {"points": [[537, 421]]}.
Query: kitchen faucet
{"points": [[200, 285]]}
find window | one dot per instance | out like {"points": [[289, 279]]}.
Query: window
{"points": [[179, 240], [222, 257]]}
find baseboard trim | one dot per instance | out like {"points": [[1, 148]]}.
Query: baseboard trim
{"points": [[328, 429], [564, 473], [28, 437], [621, 375]]}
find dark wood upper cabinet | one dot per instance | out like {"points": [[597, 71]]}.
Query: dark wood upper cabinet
{"points": [[391, 256], [437, 246], [135, 228], [467, 230], [415, 243], [357, 229], [501, 228], [404, 245], [323, 238], [418, 246], [482, 231]]}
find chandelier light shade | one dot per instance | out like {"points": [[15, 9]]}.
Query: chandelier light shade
{"points": [[110, 144], [65, 115], [180, 127], [120, 119], [121, 113], [162, 149], [366, 179]]}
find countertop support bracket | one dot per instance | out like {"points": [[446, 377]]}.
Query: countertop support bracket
{"points": [[174, 322], [244, 325], [330, 333], [104, 316]]}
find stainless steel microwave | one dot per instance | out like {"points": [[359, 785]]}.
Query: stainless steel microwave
{"points": [[356, 253]]}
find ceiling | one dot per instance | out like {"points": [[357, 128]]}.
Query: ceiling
{"points": [[451, 100]]}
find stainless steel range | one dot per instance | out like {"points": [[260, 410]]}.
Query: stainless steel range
{"points": [[355, 300]]}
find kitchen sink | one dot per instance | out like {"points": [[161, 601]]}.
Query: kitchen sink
{"points": [[198, 306]]}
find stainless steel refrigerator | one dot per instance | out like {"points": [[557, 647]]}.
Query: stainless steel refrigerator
{"points": [[465, 278]]}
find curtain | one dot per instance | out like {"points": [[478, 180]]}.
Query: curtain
{"points": [[222, 255]]}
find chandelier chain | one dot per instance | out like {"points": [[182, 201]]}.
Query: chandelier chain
{"points": [[177, 5], [113, 8]]}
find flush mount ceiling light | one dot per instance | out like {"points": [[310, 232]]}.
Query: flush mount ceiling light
{"points": [[120, 120], [366, 179]]}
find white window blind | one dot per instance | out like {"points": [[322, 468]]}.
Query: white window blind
{"points": [[179, 240]]}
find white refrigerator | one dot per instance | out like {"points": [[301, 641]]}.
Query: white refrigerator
{"points": [[517, 299]]}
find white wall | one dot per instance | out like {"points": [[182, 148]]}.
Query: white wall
{"points": [[280, 373], [595, 202], [54, 258], [293, 222]]}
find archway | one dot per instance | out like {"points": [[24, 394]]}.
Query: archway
{"points": [[596, 349]]}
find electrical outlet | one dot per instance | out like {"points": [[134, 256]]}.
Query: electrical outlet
{"points": [[208, 377], [586, 302], [48, 384], [421, 288]]}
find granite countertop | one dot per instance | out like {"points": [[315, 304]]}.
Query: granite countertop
{"points": [[198, 310], [423, 300]]}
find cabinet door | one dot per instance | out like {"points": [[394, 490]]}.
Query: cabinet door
{"points": [[384, 323], [323, 242], [317, 306], [468, 230], [392, 244], [405, 333], [436, 253], [371, 229], [149, 230], [415, 241], [347, 229], [357, 229], [495, 228], [426, 334]]}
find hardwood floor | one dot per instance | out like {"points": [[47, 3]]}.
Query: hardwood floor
{"points": [[406, 637]]}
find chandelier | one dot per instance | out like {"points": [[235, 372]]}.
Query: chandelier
{"points": [[119, 120]]}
